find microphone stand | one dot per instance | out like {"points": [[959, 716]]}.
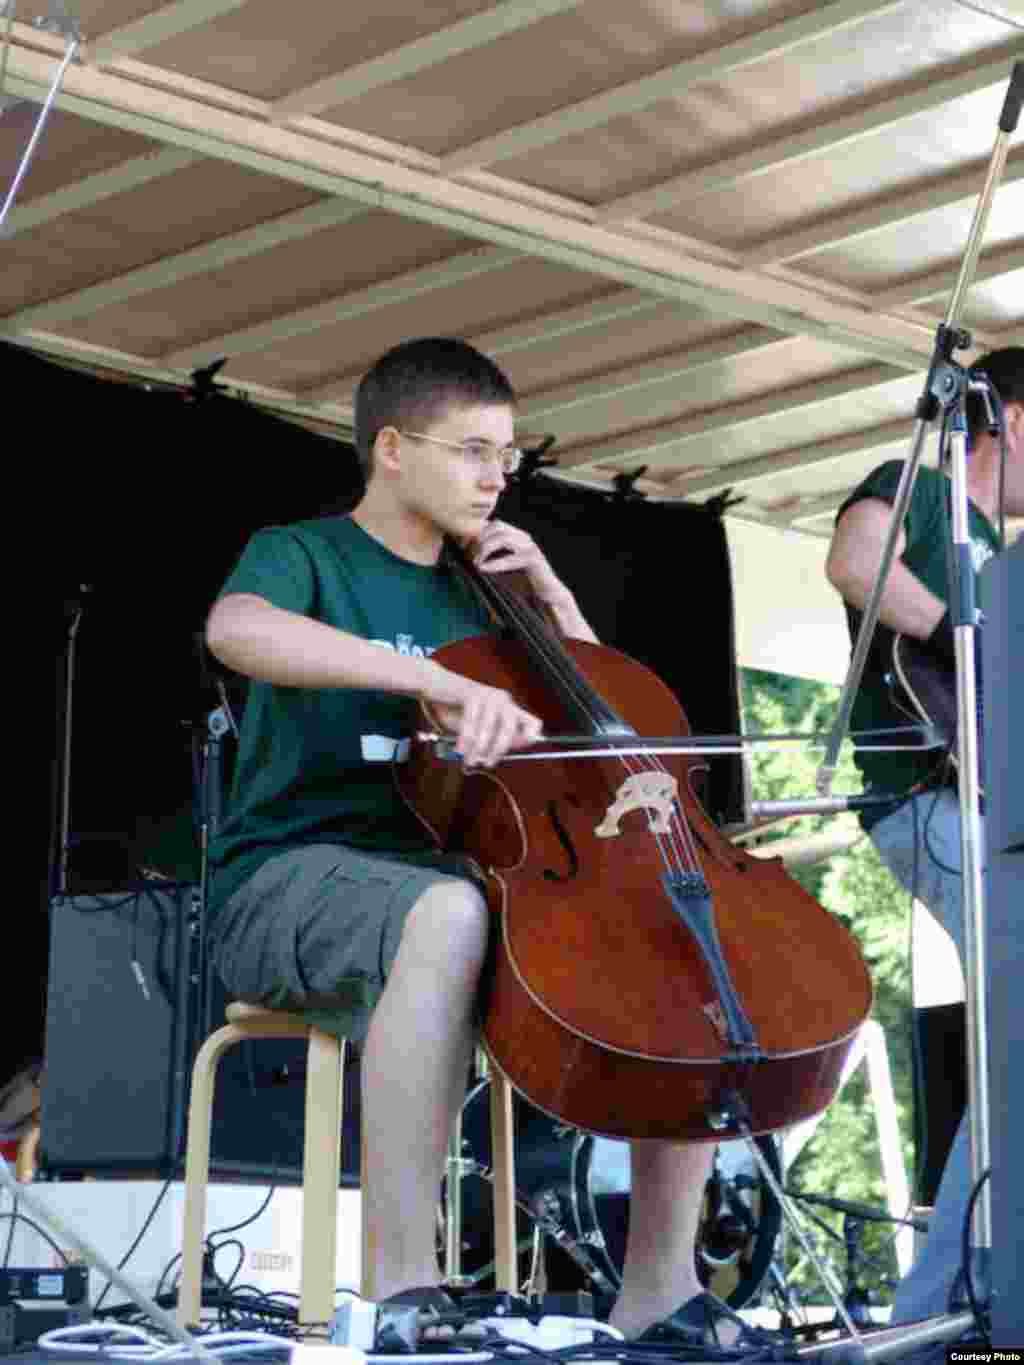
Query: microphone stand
{"points": [[209, 743], [945, 390], [61, 841]]}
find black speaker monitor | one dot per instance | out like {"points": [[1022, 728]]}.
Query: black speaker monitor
{"points": [[117, 1031], [124, 1020]]}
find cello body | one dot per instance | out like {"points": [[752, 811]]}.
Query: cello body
{"points": [[601, 1008]]}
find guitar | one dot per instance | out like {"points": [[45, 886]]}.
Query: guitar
{"points": [[928, 684]]}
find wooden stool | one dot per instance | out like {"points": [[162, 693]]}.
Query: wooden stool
{"points": [[321, 1165], [321, 1160], [27, 1159]]}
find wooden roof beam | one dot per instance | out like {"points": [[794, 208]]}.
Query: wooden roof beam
{"points": [[166, 22], [412, 284], [203, 125], [661, 443], [623, 305], [891, 211], [92, 189], [668, 83], [631, 380], [213, 255], [992, 265], [432, 49], [743, 473], [145, 368], [725, 173]]}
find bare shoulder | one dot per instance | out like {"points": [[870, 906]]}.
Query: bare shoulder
{"points": [[866, 515]]}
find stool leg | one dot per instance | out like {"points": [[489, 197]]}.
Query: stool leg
{"points": [[504, 1167], [320, 1176], [368, 1274], [197, 1170], [28, 1156]]}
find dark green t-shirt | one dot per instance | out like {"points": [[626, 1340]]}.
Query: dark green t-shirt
{"points": [[926, 555], [314, 764]]}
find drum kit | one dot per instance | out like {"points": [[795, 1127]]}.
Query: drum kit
{"points": [[572, 1198]]}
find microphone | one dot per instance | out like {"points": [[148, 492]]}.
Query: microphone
{"points": [[862, 1211], [821, 805]]}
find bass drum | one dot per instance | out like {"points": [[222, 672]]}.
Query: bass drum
{"points": [[573, 1189]]}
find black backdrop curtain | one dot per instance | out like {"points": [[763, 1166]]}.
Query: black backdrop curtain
{"points": [[148, 496]]}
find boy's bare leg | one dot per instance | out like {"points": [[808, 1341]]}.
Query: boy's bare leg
{"points": [[415, 1065], [667, 1192]]}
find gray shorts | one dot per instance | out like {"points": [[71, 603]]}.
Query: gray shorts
{"points": [[316, 928]]}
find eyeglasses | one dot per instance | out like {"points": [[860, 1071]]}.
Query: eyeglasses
{"points": [[477, 452]]}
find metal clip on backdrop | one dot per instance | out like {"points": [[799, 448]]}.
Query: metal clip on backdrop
{"points": [[945, 391]]}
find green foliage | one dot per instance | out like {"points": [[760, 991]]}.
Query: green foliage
{"points": [[842, 1159]]}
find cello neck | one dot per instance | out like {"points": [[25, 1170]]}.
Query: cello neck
{"points": [[553, 662]]}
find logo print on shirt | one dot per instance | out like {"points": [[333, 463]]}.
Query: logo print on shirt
{"points": [[384, 748], [981, 553], [404, 645]]}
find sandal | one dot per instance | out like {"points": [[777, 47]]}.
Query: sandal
{"points": [[695, 1323], [403, 1317]]}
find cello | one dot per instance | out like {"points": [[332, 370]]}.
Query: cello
{"points": [[649, 979]]}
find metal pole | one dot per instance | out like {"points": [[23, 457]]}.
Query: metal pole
{"points": [[965, 623], [946, 386], [453, 1207], [73, 46], [827, 770], [941, 389], [60, 870]]}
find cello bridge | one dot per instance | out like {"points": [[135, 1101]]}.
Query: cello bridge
{"points": [[654, 792]]}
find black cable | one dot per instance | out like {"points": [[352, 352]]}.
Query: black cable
{"points": [[812, 1217], [238, 1227], [22, 1218], [872, 1260], [227, 1292], [226, 1284], [967, 1267], [999, 413], [926, 840], [135, 1245], [13, 1216], [916, 1054]]}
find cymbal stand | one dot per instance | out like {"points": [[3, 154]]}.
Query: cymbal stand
{"points": [[733, 1119], [457, 1166], [945, 391]]}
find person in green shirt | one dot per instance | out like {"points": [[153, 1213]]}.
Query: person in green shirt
{"points": [[327, 894], [920, 840]]}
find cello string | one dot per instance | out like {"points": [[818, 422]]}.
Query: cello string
{"points": [[538, 637], [679, 851]]}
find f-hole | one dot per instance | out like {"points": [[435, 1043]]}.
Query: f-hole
{"points": [[563, 838]]}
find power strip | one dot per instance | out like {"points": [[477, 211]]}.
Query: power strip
{"points": [[356, 1322], [354, 1325], [551, 1332], [322, 1353]]}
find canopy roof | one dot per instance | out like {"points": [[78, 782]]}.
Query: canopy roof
{"points": [[709, 241]]}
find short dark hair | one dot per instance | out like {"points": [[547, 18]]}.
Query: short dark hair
{"points": [[1005, 369], [411, 385]]}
